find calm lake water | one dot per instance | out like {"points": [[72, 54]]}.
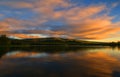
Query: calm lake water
{"points": [[80, 62]]}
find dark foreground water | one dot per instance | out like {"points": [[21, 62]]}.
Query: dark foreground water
{"points": [[85, 62]]}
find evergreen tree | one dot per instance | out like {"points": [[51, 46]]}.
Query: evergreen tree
{"points": [[4, 40]]}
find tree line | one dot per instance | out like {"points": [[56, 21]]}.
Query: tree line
{"points": [[5, 41]]}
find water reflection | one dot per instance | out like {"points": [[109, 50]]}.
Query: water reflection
{"points": [[95, 62], [23, 54]]}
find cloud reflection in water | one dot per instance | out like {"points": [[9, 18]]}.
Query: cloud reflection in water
{"points": [[26, 64]]}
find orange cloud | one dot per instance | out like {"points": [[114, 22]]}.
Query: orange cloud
{"points": [[77, 14], [24, 36], [10, 24], [91, 22], [98, 28]]}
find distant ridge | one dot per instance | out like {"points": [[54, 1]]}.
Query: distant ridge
{"points": [[5, 41]]}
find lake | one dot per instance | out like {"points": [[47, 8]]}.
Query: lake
{"points": [[57, 62]]}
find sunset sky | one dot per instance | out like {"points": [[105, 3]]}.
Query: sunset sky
{"points": [[97, 20]]}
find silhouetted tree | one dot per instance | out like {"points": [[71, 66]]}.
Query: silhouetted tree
{"points": [[4, 40]]}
